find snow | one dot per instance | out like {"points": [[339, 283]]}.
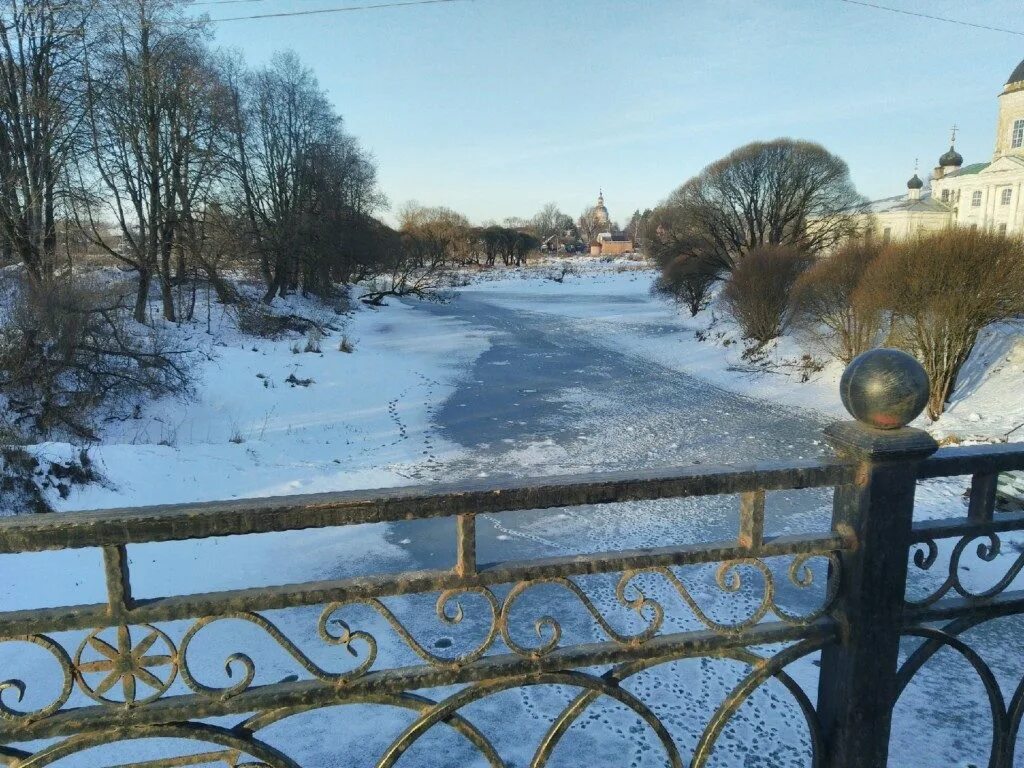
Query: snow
{"points": [[363, 422], [366, 420], [987, 405]]}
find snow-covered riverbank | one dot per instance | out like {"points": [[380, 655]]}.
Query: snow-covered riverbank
{"points": [[269, 418], [988, 404]]}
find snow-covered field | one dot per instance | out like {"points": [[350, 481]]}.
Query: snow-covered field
{"points": [[370, 419]]}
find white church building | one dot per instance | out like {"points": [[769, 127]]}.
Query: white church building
{"points": [[987, 196]]}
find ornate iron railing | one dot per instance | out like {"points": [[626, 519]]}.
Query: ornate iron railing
{"points": [[131, 668]]}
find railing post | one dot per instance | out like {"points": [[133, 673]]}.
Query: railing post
{"points": [[884, 390]]}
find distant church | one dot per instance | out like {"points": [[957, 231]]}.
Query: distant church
{"points": [[608, 242], [985, 196]]}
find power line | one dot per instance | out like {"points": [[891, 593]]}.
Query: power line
{"points": [[225, 2], [368, 7], [934, 18]]}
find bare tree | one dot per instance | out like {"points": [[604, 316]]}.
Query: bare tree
{"points": [[399, 273], [589, 226], [144, 161], [492, 239], [941, 291], [830, 306], [549, 222], [782, 192], [67, 350], [673, 242], [303, 183], [434, 236], [688, 281], [40, 113], [637, 228]]}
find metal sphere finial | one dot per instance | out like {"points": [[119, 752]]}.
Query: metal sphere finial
{"points": [[884, 388]]}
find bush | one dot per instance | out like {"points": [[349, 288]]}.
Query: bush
{"points": [[828, 305], [940, 292], [757, 294], [67, 351], [687, 280], [258, 320]]}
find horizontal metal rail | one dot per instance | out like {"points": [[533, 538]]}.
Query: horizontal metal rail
{"points": [[145, 611], [32, 533], [947, 528], [972, 459], [1003, 604]]}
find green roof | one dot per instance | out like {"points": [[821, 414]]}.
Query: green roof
{"points": [[967, 170]]}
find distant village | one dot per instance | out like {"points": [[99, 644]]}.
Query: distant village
{"points": [[595, 233]]}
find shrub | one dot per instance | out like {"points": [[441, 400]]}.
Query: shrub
{"points": [[688, 280], [67, 351], [940, 292], [257, 320], [828, 305], [26, 481], [757, 294]]}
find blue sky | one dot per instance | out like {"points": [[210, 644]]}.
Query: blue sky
{"points": [[495, 107]]}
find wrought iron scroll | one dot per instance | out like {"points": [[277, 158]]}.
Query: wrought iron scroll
{"points": [[979, 536], [131, 666]]}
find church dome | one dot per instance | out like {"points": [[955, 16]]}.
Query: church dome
{"points": [[915, 182], [600, 211], [951, 158], [1017, 76]]}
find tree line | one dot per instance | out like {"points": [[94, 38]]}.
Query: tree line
{"points": [[127, 140], [781, 228], [123, 133]]}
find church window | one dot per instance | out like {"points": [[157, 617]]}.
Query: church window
{"points": [[887, 235], [1002, 229], [945, 195], [1004, 197], [976, 199], [1017, 136]]}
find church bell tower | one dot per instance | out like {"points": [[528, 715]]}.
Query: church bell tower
{"points": [[1010, 127]]}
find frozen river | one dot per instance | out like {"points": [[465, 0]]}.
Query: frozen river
{"points": [[551, 396]]}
